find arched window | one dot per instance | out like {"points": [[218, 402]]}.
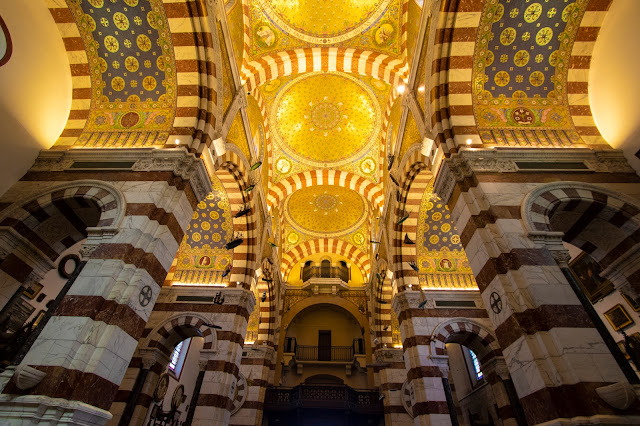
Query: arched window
{"points": [[325, 269], [178, 356], [476, 365]]}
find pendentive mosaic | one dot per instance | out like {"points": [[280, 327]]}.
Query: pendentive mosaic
{"points": [[441, 258], [202, 258], [132, 66], [521, 65]]}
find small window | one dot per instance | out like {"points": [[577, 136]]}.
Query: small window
{"points": [[178, 356], [476, 365]]}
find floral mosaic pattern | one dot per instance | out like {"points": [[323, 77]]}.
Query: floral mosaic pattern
{"points": [[132, 64], [521, 64]]}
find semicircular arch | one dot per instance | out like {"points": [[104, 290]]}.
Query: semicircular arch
{"points": [[325, 245], [287, 186], [179, 327]]}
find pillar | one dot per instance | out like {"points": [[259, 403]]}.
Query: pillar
{"points": [[223, 363], [497, 376], [424, 369]]}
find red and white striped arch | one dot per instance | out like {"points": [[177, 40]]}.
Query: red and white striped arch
{"points": [[578, 77], [80, 73], [370, 191], [325, 245], [233, 175], [378, 65]]}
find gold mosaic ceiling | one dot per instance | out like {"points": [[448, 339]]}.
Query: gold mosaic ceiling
{"points": [[326, 119], [325, 210], [324, 21]]}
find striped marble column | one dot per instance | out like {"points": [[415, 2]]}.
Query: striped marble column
{"points": [[555, 355], [223, 364], [496, 373], [390, 375], [86, 346], [258, 368], [424, 369]]}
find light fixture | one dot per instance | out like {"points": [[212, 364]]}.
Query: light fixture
{"points": [[421, 89], [469, 141], [177, 141], [400, 89]]}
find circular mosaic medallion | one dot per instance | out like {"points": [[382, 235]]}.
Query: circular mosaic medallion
{"points": [[523, 116], [317, 21], [325, 119], [130, 119]]}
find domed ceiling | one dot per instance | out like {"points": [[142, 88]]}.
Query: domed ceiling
{"points": [[318, 120], [275, 25], [323, 210], [316, 21], [326, 119]]}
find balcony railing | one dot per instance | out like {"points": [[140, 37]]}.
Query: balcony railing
{"points": [[309, 272], [329, 353], [323, 396]]}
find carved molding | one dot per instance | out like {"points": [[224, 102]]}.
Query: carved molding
{"points": [[176, 160]]}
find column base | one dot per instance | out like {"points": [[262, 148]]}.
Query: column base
{"points": [[43, 410], [594, 420]]}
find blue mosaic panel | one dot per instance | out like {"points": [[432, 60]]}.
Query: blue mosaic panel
{"points": [[133, 48], [523, 52]]}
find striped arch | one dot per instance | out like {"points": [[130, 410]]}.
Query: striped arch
{"points": [[287, 186], [234, 176], [80, 74], [325, 245], [180, 327], [578, 77], [268, 308], [267, 133], [454, 23], [199, 112], [62, 200], [298, 61], [198, 104], [469, 333], [585, 213], [415, 180]]}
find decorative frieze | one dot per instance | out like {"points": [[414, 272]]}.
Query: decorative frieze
{"points": [[176, 160]]}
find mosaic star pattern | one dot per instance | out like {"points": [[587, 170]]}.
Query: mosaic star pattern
{"points": [[202, 256], [521, 63], [325, 119], [130, 53], [325, 211], [441, 257], [315, 20]]}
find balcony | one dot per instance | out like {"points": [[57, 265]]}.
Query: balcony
{"points": [[323, 396], [329, 353], [341, 272]]}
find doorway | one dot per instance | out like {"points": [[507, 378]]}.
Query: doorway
{"points": [[324, 345]]}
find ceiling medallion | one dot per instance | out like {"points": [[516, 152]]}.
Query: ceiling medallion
{"points": [[325, 119], [322, 211], [316, 21]]}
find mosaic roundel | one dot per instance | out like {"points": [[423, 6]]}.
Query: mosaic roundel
{"points": [[325, 118], [321, 21], [325, 210]]}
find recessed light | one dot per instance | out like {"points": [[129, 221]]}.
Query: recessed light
{"points": [[400, 89], [469, 141]]}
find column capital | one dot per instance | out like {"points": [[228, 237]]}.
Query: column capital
{"points": [[410, 299], [496, 365], [152, 356]]}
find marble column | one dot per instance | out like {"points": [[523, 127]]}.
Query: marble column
{"points": [[424, 368], [223, 364], [82, 353]]}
